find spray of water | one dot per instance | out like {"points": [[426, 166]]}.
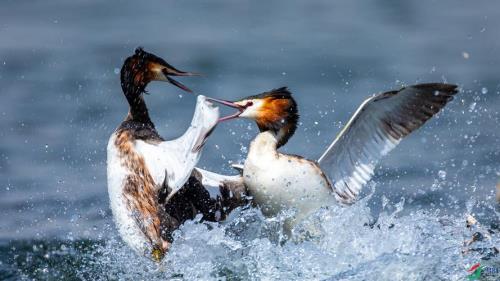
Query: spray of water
{"points": [[338, 243]]}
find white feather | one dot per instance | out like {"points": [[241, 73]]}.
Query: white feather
{"points": [[378, 126], [126, 224], [278, 181], [211, 179], [176, 158]]}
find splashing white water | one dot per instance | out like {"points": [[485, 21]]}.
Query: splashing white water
{"points": [[343, 243]]}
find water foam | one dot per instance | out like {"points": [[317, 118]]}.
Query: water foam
{"points": [[342, 243]]}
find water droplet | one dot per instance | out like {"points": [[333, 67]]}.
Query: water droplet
{"points": [[46, 146], [465, 55], [442, 174], [484, 90], [472, 106], [116, 70], [385, 201]]}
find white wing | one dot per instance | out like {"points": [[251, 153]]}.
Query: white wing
{"points": [[229, 190], [214, 180], [376, 128], [177, 158]]}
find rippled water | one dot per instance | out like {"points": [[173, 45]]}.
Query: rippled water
{"points": [[61, 101]]}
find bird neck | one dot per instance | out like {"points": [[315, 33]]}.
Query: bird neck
{"points": [[265, 143], [138, 110], [282, 132]]}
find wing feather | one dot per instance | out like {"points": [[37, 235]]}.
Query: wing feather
{"points": [[231, 194], [378, 126], [179, 156]]}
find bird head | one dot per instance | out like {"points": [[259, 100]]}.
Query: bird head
{"points": [[274, 111], [143, 67]]}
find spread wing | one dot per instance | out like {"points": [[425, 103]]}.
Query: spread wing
{"points": [[177, 158], [378, 125]]}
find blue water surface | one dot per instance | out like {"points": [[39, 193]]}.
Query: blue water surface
{"points": [[61, 100]]}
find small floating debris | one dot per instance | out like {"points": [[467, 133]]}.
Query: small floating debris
{"points": [[480, 234]]}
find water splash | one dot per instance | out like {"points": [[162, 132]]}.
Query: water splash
{"points": [[398, 242], [343, 243]]}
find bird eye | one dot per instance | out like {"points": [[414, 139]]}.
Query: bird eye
{"points": [[249, 103]]}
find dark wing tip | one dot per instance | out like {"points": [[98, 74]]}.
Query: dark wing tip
{"points": [[415, 106], [449, 89]]}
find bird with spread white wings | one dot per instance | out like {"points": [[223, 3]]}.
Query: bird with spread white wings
{"points": [[277, 181]]}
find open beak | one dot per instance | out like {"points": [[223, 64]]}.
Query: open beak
{"points": [[171, 71], [230, 104]]}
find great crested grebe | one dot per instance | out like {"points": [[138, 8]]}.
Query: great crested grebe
{"points": [[277, 181], [146, 173]]}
